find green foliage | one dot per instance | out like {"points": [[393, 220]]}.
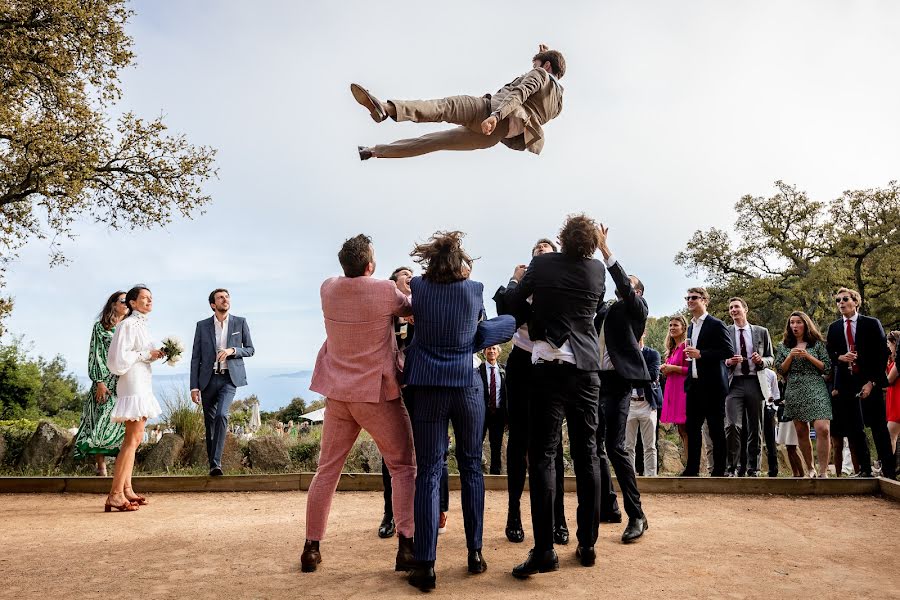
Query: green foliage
{"points": [[16, 432], [792, 253], [60, 160], [294, 410], [185, 417], [35, 387]]}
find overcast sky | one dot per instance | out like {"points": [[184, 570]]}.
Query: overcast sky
{"points": [[672, 111]]}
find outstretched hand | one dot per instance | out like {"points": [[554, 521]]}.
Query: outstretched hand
{"points": [[488, 125]]}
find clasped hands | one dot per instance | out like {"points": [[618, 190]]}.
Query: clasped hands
{"points": [[738, 359]]}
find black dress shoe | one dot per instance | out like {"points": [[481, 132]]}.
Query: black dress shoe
{"points": [[635, 529], [514, 531], [364, 153], [752, 473], [613, 517], [311, 556], [367, 100], [386, 529], [537, 562], [423, 577], [561, 535], [689, 474], [587, 556], [215, 472], [477, 564], [405, 560]]}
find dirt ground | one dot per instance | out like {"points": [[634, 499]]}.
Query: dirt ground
{"points": [[247, 545]]}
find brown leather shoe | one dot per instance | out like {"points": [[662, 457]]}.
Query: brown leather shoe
{"points": [[370, 102], [364, 154], [311, 556]]}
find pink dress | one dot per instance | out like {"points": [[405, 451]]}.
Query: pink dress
{"points": [[674, 409]]}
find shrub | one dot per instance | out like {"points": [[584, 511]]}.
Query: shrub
{"points": [[185, 417], [16, 433]]}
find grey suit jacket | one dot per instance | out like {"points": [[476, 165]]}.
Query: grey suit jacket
{"points": [[203, 356], [762, 343]]}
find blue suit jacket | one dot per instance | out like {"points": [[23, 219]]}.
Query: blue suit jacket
{"points": [[448, 332], [203, 356]]}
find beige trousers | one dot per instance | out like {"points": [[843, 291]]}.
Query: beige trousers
{"points": [[466, 111]]}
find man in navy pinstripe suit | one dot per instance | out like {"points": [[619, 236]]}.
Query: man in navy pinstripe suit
{"points": [[566, 289], [439, 371]]}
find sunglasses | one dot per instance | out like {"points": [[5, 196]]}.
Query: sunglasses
{"points": [[693, 297], [843, 299], [122, 301]]}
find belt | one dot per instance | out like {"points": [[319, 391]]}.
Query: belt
{"points": [[555, 361]]}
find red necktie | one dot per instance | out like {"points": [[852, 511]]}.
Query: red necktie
{"points": [[745, 364], [851, 346], [493, 389]]}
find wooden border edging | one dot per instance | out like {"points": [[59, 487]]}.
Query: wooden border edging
{"points": [[358, 482]]}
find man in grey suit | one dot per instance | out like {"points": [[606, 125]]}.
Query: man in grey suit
{"points": [[748, 388], [217, 369], [514, 115]]}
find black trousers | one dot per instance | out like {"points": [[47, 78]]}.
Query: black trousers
{"points": [[614, 403], [709, 406], [386, 475], [768, 427], [494, 426], [562, 391], [519, 372]]}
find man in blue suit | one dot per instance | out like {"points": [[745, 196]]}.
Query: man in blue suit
{"points": [[217, 369]]}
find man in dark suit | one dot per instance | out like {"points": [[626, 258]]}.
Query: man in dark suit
{"points": [[520, 372], [566, 289], [858, 350], [493, 379], [708, 346], [217, 369], [619, 327]]}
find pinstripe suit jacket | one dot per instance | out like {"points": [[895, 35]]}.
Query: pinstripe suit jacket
{"points": [[447, 326]]}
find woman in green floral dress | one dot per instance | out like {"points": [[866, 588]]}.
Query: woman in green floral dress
{"points": [[802, 359], [97, 435]]}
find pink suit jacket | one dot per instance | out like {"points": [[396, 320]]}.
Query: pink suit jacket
{"points": [[358, 361]]}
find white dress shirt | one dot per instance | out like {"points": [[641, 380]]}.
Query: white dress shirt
{"points": [[221, 339], [496, 368], [697, 323], [748, 340], [853, 321]]}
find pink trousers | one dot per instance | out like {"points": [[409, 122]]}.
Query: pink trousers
{"points": [[388, 424]]}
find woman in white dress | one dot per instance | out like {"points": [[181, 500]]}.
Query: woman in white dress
{"points": [[130, 353]]}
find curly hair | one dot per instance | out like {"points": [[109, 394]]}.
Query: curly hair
{"points": [[578, 236], [443, 258], [557, 62], [355, 255], [108, 313]]}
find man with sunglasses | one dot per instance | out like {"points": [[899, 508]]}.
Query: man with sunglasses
{"points": [[858, 350], [708, 345]]}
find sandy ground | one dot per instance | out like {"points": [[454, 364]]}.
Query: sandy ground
{"points": [[247, 545]]}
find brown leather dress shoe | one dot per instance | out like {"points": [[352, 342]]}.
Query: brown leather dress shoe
{"points": [[370, 102], [311, 556]]}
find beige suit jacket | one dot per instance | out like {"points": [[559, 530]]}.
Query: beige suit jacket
{"points": [[535, 98]]}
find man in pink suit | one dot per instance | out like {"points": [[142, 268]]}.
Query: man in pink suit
{"points": [[356, 370]]}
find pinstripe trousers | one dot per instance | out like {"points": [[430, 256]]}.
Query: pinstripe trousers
{"points": [[436, 407]]}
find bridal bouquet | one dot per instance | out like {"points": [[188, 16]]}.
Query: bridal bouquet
{"points": [[173, 348]]}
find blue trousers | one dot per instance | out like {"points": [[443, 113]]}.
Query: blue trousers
{"points": [[216, 398], [436, 407]]}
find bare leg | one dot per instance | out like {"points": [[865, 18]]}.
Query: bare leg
{"points": [[802, 428], [894, 430], [795, 460], [125, 462], [100, 461], [138, 433], [823, 439]]}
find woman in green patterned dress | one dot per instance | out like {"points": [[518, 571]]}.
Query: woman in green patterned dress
{"points": [[802, 359], [97, 435]]}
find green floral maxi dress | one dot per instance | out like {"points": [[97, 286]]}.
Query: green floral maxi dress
{"points": [[806, 396], [97, 434]]}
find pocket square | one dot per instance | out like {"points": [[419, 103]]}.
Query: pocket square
{"points": [[236, 333]]}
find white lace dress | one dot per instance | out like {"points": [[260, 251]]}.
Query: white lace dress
{"points": [[129, 358]]}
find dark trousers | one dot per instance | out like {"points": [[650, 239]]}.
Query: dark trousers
{"points": [[562, 391], [216, 399], [743, 407], [875, 418], [436, 408], [494, 426], [386, 474], [849, 420], [768, 427], [614, 403], [518, 400], [709, 406]]}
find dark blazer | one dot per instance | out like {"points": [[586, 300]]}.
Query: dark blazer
{"points": [[715, 345], [203, 356], [871, 347], [652, 389], [566, 293], [448, 333], [625, 321], [482, 370]]}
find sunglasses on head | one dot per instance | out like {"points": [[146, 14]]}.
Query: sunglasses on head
{"points": [[843, 299], [693, 297]]}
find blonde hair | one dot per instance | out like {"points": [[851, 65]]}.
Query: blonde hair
{"points": [[672, 343], [853, 294]]}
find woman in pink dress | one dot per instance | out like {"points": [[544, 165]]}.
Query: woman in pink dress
{"points": [[675, 368]]}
